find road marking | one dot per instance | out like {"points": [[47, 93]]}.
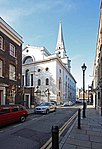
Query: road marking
{"points": [[37, 118], [17, 125], [34, 118], [48, 144]]}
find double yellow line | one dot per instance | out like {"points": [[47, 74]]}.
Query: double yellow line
{"points": [[48, 144]]}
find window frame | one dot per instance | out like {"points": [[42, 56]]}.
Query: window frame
{"points": [[1, 68], [12, 73], [1, 43], [12, 50]]}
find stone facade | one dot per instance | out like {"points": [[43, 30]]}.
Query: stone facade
{"points": [[46, 76], [97, 80]]}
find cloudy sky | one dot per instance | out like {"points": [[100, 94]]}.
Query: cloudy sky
{"points": [[37, 21]]}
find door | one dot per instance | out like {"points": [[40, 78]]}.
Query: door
{"points": [[27, 101]]}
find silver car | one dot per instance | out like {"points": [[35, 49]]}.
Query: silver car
{"points": [[45, 107]]}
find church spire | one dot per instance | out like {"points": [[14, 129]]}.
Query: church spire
{"points": [[60, 41], [101, 5], [101, 8]]}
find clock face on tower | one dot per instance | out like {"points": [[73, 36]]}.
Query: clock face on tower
{"points": [[28, 60]]}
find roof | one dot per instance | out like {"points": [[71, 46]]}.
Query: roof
{"points": [[10, 32]]}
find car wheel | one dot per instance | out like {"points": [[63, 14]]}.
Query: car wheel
{"points": [[47, 111], [22, 119], [55, 109]]}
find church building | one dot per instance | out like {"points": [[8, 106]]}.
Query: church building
{"points": [[46, 76]]}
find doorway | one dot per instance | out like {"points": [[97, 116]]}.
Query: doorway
{"points": [[27, 101]]}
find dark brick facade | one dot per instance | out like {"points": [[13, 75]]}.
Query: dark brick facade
{"points": [[16, 61]]}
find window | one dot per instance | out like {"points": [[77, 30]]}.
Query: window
{"points": [[23, 80], [27, 78], [27, 60], [31, 79], [60, 83], [39, 82], [12, 50], [12, 72], [47, 81], [1, 43], [1, 65], [47, 69], [15, 109], [60, 70], [4, 110], [39, 70]]}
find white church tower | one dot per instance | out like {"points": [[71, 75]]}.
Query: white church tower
{"points": [[60, 48]]}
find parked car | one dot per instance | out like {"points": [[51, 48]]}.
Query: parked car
{"points": [[81, 101], [44, 107], [68, 103], [12, 113], [54, 103]]}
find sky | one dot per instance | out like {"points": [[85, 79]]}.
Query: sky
{"points": [[37, 21]]}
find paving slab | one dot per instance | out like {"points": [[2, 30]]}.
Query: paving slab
{"points": [[90, 134], [96, 145], [79, 136], [78, 142]]}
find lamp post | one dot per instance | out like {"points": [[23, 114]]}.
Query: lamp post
{"points": [[84, 104]]}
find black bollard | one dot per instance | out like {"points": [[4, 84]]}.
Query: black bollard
{"points": [[84, 108], [55, 137], [79, 118]]}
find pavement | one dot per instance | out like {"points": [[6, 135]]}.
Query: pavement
{"points": [[30, 111], [90, 134]]}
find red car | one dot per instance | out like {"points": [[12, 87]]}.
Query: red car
{"points": [[12, 113]]}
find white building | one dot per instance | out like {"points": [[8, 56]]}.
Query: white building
{"points": [[47, 76]]}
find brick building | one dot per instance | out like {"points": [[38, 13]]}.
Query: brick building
{"points": [[10, 64]]}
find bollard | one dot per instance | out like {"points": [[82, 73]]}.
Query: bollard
{"points": [[84, 108], [79, 111], [55, 137]]}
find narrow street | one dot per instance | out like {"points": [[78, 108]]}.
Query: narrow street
{"points": [[35, 132]]}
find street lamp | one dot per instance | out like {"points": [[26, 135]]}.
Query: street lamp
{"points": [[48, 92], [84, 104]]}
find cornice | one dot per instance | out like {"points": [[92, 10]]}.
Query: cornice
{"points": [[10, 32]]}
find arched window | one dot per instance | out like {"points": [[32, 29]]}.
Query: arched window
{"points": [[27, 78], [47, 81], [39, 82], [27, 60]]}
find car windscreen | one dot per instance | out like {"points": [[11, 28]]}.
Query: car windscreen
{"points": [[44, 104]]}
